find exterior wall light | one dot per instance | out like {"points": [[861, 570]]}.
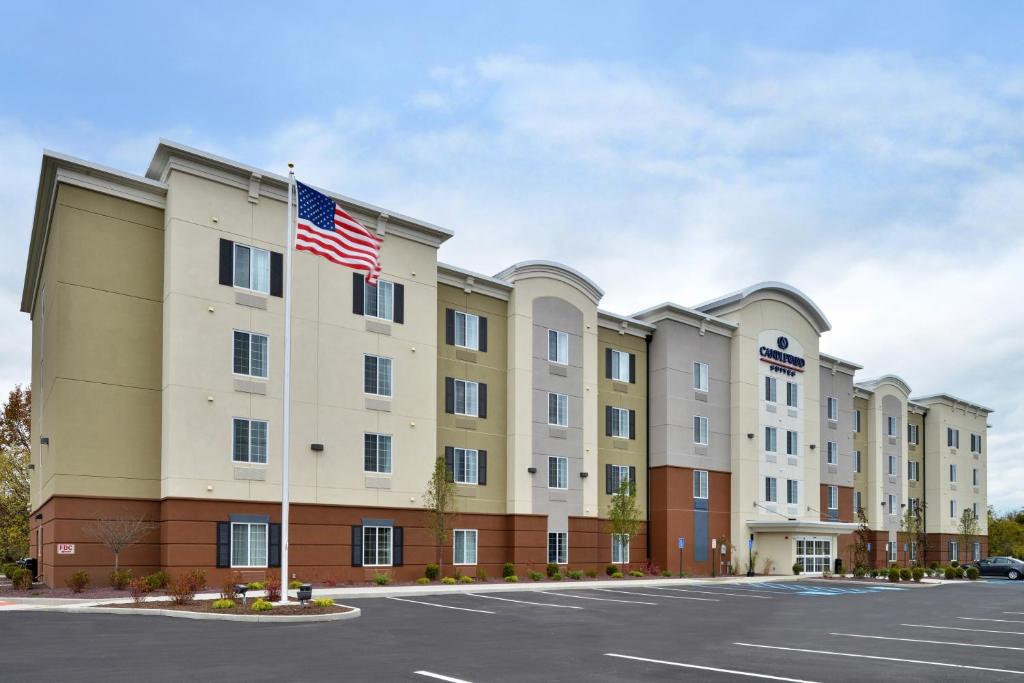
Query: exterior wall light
{"points": [[583, 475], [531, 470]]}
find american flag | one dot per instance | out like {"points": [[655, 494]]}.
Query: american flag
{"points": [[326, 229]]}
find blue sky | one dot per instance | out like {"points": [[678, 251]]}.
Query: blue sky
{"points": [[871, 155]]}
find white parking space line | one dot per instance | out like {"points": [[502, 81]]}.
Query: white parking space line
{"points": [[587, 597], [437, 604], [1013, 612], [691, 590], [958, 628], [749, 674], [1002, 621], [524, 602], [655, 595], [933, 642], [439, 677], [832, 653]]}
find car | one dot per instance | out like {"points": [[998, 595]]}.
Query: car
{"points": [[1010, 567]]}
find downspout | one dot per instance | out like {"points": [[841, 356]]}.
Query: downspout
{"points": [[924, 489], [647, 443]]}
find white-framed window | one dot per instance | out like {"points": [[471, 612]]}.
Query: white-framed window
{"points": [[952, 473], [912, 434], [620, 549], [975, 443], [974, 477], [558, 547], [465, 546], [248, 544], [771, 388], [891, 549], [792, 443], [377, 376], [792, 395], [952, 437], [377, 453], [700, 430], [250, 357], [377, 546], [558, 472], [700, 484], [771, 493], [379, 301], [771, 439], [954, 551], [700, 376], [620, 422], [620, 366], [249, 440], [467, 461], [975, 551], [252, 268], [914, 504], [467, 330], [792, 491], [856, 420], [558, 410], [892, 505], [619, 474], [890, 426], [467, 397], [952, 509], [913, 471], [856, 461], [856, 502], [558, 347], [832, 453], [833, 498], [892, 465], [814, 554], [832, 408]]}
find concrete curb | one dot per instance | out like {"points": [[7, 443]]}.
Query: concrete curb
{"points": [[210, 616]]}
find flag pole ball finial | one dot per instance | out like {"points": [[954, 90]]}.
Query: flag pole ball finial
{"points": [[291, 165]]}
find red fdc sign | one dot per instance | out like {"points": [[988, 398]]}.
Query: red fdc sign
{"points": [[65, 548]]}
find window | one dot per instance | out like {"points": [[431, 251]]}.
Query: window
{"points": [[377, 546], [954, 551], [558, 410], [952, 509], [700, 430], [770, 389], [892, 505], [558, 547], [619, 422], [616, 475], [467, 462], [974, 510], [792, 445], [770, 435], [377, 453], [856, 420], [856, 461], [974, 477], [892, 465], [377, 375], [248, 545], [952, 473], [814, 554], [890, 551], [379, 301], [620, 548], [857, 502], [467, 398], [975, 551], [832, 408], [890, 426], [620, 365], [700, 484], [558, 347], [700, 376], [914, 504], [975, 443], [833, 498], [952, 437], [465, 546], [912, 434], [467, 330], [558, 472], [792, 491], [249, 441], [832, 453], [770, 493], [913, 471], [792, 399], [250, 356], [252, 268]]}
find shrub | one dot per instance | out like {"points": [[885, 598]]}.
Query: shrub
{"points": [[261, 605], [481, 574], [139, 589], [323, 602], [797, 568], [8, 569], [894, 575], [917, 573], [954, 564], [432, 572], [381, 579], [874, 573], [257, 586], [198, 578], [960, 572], [536, 576], [512, 579], [465, 579], [826, 574], [78, 581], [295, 584], [972, 573], [551, 569], [158, 580], [508, 569], [636, 573], [591, 573], [21, 579], [227, 590], [667, 574], [448, 581], [611, 569], [905, 574], [575, 575], [423, 581], [273, 588], [182, 590], [616, 575], [933, 566], [858, 572], [120, 578], [557, 576], [950, 572], [223, 603]]}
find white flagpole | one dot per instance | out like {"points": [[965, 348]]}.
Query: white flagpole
{"points": [[286, 427]]}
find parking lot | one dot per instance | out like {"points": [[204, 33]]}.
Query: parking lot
{"points": [[795, 631]]}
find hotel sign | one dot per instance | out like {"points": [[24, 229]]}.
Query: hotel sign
{"points": [[780, 361]]}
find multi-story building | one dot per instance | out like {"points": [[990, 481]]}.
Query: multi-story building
{"points": [[158, 324]]}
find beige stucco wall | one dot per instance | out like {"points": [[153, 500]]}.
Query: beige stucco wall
{"points": [[879, 482], [939, 491], [915, 453], [861, 440]]}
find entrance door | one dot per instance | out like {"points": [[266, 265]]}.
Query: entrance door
{"points": [[814, 553]]}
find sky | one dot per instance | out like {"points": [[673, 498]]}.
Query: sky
{"points": [[871, 155]]}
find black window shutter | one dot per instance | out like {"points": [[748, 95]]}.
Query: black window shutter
{"points": [[608, 363], [274, 547], [632, 480], [632, 424], [399, 309], [482, 399], [449, 395], [449, 462], [482, 333], [632, 368], [397, 546], [449, 327], [481, 468], [357, 546], [370, 374], [223, 540], [608, 485], [607, 420], [357, 293], [276, 274], [227, 266]]}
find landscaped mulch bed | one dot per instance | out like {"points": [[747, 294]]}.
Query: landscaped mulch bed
{"points": [[291, 609]]}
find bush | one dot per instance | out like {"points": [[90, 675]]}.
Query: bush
{"points": [[257, 586], [917, 573], [636, 573], [198, 578], [381, 579], [858, 572], [557, 576], [905, 574], [508, 569], [874, 573], [323, 602], [21, 579], [972, 573], [551, 569], [261, 605], [611, 569], [481, 574], [448, 581], [667, 574], [432, 572], [465, 579], [139, 589], [512, 579], [933, 566], [120, 578], [894, 575], [273, 588], [223, 603], [617, 575], [78, 581], [423, 581], [536, 576], [575, 575], [954, 564], [227, 589], [294, 584], [591, 573], [950, 572], [182, 590], [797, 568], [158, 580], [8, 569], [960, 572]]}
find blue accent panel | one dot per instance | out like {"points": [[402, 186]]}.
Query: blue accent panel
{"points": [[377, 522], [250, 519], [700, 503], [700, 535]]}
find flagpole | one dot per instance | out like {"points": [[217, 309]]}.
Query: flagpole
{"points": [[286, 426]]}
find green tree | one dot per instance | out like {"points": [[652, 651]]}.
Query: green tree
{"points": [[15, 456], [912, 531], [439, 500], [624, 518], [1006, 533], [967, 529]]}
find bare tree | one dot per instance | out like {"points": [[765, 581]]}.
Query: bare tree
{"points": [[119, 532], [624, 520], [439, 500]]}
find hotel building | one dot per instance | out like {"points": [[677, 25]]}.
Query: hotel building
{"points": [[157, 355]]}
